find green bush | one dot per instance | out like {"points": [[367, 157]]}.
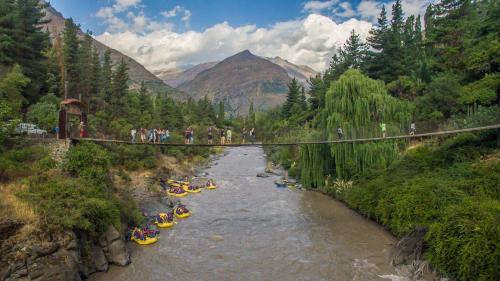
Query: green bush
{"points": [[88, 161], [73, 203], [20, 161], [448, 187], [465, 240]]}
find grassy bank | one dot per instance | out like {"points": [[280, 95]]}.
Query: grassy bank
{"points": [[451, 187], [79, 194]]}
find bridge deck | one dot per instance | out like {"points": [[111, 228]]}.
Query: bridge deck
{"points": [[416, 136]]}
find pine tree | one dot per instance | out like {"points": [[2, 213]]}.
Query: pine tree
{"points": [[394, 49], [85, 64], [145, 107], [106, 76], [30, 41], [6, 31], [317, 92], [292, 98], [119, 89], [95, 101], [302, 99], [71, 59], [251, 116], [350, 55], [378, 39], [221, 114]]}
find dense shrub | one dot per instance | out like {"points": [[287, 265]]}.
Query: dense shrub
{"points": [[73, 203], [450, 187], [464, 241], [88, 161], [19, 161]]}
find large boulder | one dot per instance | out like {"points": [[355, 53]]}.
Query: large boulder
{"points": [[62, 265], [100, 261], [118, 253], [410, 248]]}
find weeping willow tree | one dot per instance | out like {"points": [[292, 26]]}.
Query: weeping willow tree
{"points": [[359, 105], [316, 161]]}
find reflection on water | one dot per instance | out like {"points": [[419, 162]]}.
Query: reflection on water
{"points": [[248, 229]]}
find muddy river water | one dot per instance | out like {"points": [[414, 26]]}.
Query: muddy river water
{"points": [[248, 229]]}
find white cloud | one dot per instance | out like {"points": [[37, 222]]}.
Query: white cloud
{"points": [[310, 41], [370, 9], [186, 14], [122, 5], [317, 6], [345, 10]]}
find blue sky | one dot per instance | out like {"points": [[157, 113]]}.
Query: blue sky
{"points": [[205, 13], [168, 34]]}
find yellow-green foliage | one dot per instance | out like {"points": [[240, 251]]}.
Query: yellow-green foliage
{"points": [[450, 188], [359, 105]]}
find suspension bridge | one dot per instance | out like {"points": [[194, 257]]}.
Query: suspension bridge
{"points": [[360, 140]]}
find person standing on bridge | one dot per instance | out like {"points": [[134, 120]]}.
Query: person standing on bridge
{"points": [[210, 135], [384, 129], [244, 135], [222, 136], [413, 129], [252, 135], [143, 134], [340, 133], [167, 135], [133, 133], [187, 136], [229, 136], [82, 129], [191, 139]]}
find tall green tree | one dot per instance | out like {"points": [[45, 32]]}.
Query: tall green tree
{"points": [[350, 55], [221, 115], [71, 59], [6, 31], [29, 43], [106, 76], [119, 89], [85, 64], [251, 116], [292, 98]]}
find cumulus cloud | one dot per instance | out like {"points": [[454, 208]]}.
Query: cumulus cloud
{"points": [[186, 14], [370, 9], [317, 6], [135, 21], [122, 5], [344, 10], [310, 41]]}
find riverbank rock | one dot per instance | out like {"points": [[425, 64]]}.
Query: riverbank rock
{"points": [[410, 248], [262, 175], [114, 248]]}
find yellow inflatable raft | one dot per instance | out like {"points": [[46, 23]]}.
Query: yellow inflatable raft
{"points": [[186, 188], [177, 194], [147, 241], [166, 223], [181, 216], [212, 186]]}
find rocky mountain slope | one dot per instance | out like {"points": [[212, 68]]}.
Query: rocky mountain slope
{"points": [[137, 72], [301, 72], [176, 77], [239, 80]]}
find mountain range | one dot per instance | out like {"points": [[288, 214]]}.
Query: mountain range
{"points": [[240, 80], [237, 80], [137, 72]]}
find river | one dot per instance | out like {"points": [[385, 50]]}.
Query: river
{"points": [[248, 229]]}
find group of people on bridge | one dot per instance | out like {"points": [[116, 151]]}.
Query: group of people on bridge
{"points": [[383, 129], [159, 135]]}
